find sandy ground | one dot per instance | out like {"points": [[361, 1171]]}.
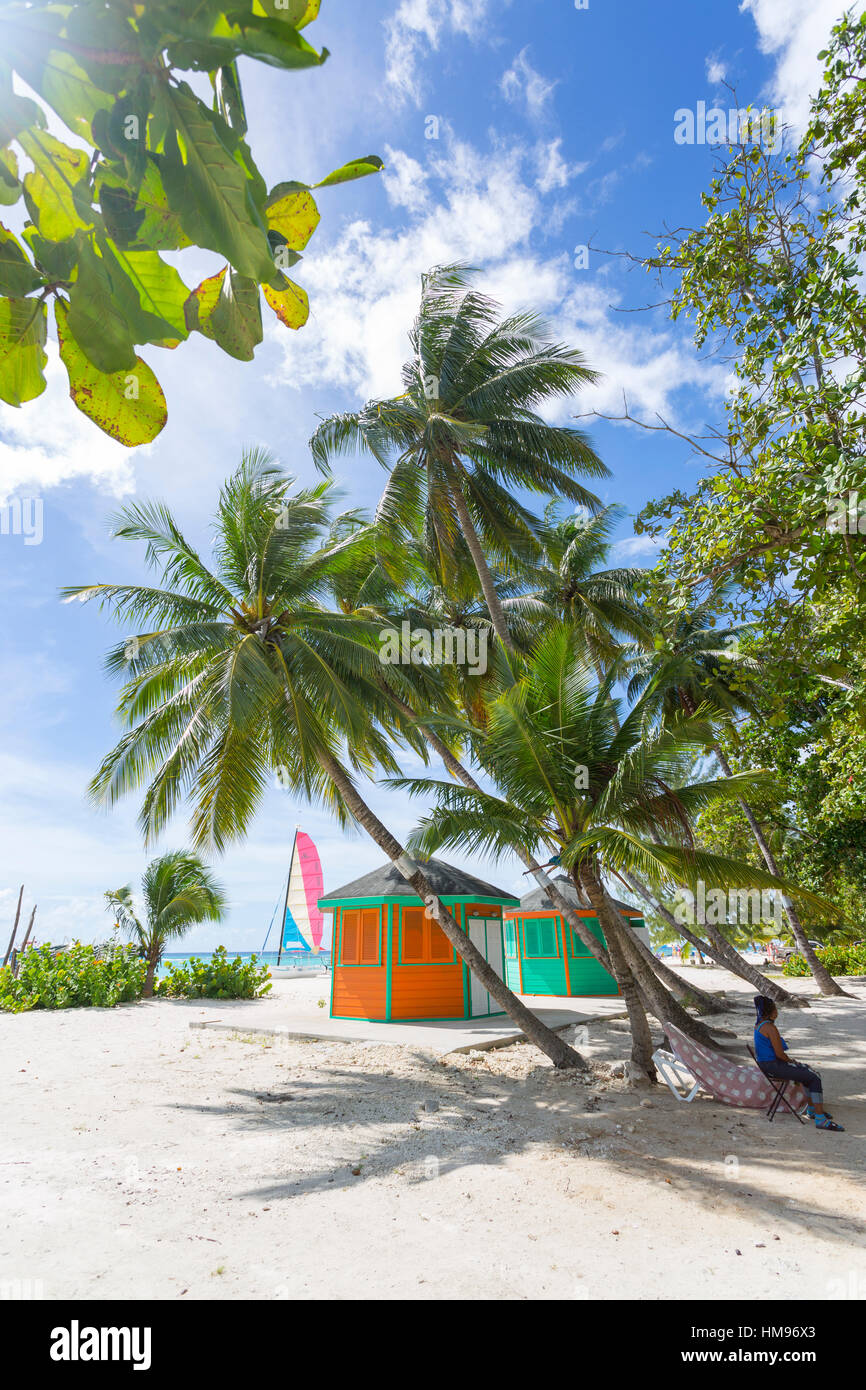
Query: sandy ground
{"points": [[141, 1159]]}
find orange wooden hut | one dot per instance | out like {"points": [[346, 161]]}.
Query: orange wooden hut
{"points": [[391, 960]]}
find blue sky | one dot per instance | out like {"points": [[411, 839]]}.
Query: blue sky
{"points": [[552, 127]]}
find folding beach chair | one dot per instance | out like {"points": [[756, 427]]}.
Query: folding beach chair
{"points": [[778, 1088], [675, 1075]]}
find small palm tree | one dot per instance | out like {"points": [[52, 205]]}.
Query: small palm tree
{"points": [[178, 892], [569, 775], [466, 430]]}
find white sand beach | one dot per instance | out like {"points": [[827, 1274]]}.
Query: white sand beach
{"points": [[142, 1159]]}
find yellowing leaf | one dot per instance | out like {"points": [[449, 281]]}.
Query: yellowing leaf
{"points": [[128, 406], [291, 305], [293, 214]]}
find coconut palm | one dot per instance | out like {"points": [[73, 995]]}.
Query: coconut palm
{"points": [[178, 891], [243, 669], [465, 431], [693, 662], [553, 720]]}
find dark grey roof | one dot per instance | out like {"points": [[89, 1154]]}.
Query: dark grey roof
{"points": [[537, 900], [388, 882]]}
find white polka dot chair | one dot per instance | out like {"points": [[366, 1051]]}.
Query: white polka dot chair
{"points": [[732, 1083]]}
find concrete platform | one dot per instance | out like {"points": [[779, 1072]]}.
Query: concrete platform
{"points": [[294, 1013]]}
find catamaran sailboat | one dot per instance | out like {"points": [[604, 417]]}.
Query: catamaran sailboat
{"points": [[302, 947]]}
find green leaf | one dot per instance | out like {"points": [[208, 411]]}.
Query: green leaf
{"points": [[290, 305], [95, 318], [10, 188], [291, 210], [56, 259], [17, 275], [16, 114], [22, 349], [249, 36], [129, 406], [207, 188], [226, 309], [355, 169], [49, 190], [161, 293]]}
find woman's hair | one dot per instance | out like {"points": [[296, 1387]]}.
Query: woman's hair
{"points": [[763, 1006]]}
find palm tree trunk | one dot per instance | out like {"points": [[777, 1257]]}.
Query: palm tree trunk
{"points": [[823, 979], [485, 578], [683, 990], [544, 1038], [641, 1038], [721, 951], [147, 992]]}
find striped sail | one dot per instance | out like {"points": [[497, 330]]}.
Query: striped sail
{"points": [[303, 924]]}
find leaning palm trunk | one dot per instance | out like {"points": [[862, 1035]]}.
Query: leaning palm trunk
{"points": [[544, 1038], [659, 999], [720, 950], [683, 990], [641, 1038]]}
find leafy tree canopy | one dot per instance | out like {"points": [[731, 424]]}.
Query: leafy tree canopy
{"points": [[143, 166]]}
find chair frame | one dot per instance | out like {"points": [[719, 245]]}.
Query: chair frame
{"points": [[666, 1063], [777, 1086]]}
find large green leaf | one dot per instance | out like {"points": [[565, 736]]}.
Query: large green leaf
{"points": [[22, 349], [141, 217], [95, 319], [56, 259], [16, 114], [207, 188], [161, 292], [17, 275], [245, 36], [129, 406], [227, 309], [50, 189], [291, 210]]}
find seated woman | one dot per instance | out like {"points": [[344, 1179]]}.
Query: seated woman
{"points": [[770, 1049]]}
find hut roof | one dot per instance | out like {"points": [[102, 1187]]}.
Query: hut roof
{"points": [[446, 881], [537, 900]]}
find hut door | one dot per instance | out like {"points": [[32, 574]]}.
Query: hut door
{"points": [[486, 934]]}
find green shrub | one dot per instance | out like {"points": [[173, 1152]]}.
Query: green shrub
{"points": [[839, 960], [77, 977], [218, 978]]}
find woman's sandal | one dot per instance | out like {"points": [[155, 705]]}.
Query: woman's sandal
{"points": [[824, 1122], [812, 1112]]}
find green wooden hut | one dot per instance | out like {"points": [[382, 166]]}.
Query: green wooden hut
{"points": [[391, 960], [544, 955]]}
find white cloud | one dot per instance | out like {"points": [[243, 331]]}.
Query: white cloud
{"points": [[405, 180], [48, 441], [795, 31], [522, 82], [553, 171], [485, 209], [632, 546], [716, 70], [416, 29]]}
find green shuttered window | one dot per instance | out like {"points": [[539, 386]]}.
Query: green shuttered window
{"points": [[540, 936]]}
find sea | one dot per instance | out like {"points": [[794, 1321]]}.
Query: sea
{"points": [[304, 962]]}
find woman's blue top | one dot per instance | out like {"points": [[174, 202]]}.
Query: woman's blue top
{"points": [[764, 1048]]}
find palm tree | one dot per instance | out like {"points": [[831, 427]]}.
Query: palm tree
{"points": [[540, 727], [466, 430], [178, 892], [243, 669], [694, 662], [568, 584]]}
